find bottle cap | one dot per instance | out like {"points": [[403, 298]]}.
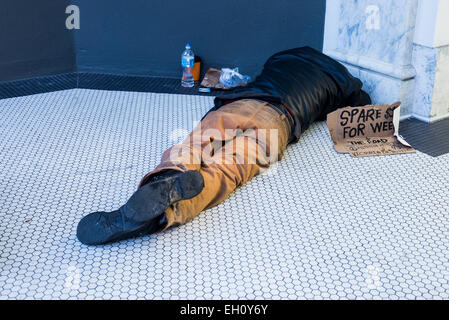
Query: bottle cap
{"points": [[188, 46]]}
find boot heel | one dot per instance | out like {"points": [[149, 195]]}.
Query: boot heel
{"points": [[190, 183]]}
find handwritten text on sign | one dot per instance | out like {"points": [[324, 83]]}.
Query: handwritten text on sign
{"points": [[365, 131]]}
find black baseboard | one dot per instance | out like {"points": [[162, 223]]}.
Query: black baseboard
{"points": [[18, 88], [98, 81], [429, 138]]}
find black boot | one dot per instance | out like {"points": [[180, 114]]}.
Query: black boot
{"points": [[143, 213]]}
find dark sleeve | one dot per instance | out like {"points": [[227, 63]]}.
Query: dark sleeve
{"points": [[359, 99]]}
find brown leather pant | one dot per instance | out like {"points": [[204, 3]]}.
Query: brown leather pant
{"points": [[229, 147]]}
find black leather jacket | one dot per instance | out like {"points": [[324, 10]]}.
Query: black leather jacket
{"points": [[307, 82]]}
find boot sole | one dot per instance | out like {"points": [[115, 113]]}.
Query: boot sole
{"points": [[154, 198], [160, 194]]}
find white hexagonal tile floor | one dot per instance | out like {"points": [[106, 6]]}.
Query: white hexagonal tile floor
{"points": [[320, 225]]}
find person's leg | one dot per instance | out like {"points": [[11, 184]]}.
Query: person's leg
{"points": [[212, 157], [227, 161]]}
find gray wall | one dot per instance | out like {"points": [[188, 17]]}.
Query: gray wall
{"points": [[34, 40], [147, 37]]}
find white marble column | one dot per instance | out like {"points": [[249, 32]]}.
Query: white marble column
{"points": [[374, 39], [431, 60]]}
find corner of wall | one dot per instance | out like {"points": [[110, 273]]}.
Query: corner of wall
{"points": [[374, 39], [440, 101]]}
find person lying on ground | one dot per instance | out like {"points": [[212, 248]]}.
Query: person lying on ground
{"points": [[246, 131]]}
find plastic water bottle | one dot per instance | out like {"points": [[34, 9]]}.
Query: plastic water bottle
{"points": [[187, 61]]}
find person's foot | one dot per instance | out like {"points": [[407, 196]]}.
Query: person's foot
{"points": [[143, 213]]}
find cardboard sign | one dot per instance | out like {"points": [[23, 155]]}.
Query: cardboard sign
{"points": [[366, 131]]}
